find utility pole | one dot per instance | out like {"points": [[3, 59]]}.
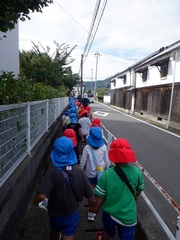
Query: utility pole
{"points": [[97, 55], [81, 75], [172, 88], [91, 78]]}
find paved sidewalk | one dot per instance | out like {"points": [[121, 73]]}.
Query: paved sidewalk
{"points": [[35, 225]]}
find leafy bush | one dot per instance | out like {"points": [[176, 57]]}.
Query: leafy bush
{"points": [[18, 90], [14, 90]]}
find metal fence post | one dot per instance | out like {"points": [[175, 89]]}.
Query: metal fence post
{"points": [[58, 109], [47, 114], [109, 140], [178, 228], [28, 129], [55, 107]]}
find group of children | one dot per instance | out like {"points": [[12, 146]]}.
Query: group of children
{"points": [[77, 122], [75, 176]]}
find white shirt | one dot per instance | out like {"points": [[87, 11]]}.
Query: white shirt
{"points": [[85, 123], [88, 162]]}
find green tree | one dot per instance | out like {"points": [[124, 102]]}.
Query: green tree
{"points": [[12, 10], [62, 91], [18, 90], [42, 91], [70, 79], [102, 91], [42, 76], [13, 90], [39, 66]]}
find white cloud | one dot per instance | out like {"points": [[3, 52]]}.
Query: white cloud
{"points": [[129, 30]]}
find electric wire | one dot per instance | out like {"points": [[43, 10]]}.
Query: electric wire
{"points": [[70, 16], [91, 35], [91, 29], [102, 12], [92, 24]]}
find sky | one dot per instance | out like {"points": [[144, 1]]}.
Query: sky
{"points": [[126, 32]]}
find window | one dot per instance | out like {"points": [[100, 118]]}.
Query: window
{"points": [[162, 66], [144, 76], [114, 83], [164, 70], [123, 77], [143, 72]]}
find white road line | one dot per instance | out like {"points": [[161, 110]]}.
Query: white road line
{"points": [[141, 120], [104, 114]]}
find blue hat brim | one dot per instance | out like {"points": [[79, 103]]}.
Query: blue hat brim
{"points": [[63, 153], [60, 160], [97, 143], [73, 120]]}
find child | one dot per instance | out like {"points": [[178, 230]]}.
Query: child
{"points": [[85, 123], [96, 122], [95, 147], [115, 197], [70, 133], [64, 186]]}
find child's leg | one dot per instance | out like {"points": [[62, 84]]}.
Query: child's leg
{"points": [[105, 236]]}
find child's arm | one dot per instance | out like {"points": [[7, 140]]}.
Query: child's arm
{"points": [[98, 203]]}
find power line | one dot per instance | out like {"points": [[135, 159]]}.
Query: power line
{"points": [[92, 24], [70, 15], [91, 36], [97, 25]]}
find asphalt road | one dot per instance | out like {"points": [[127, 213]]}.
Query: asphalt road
{"points": [[158, 151]]}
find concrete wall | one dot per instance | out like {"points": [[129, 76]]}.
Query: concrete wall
{"points": [[9, 51], [18, 190], [107, 99]]}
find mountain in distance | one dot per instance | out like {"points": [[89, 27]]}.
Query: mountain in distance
{"points": [[88, 85], [99, 83]]}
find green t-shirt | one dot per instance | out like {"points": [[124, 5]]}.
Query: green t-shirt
{"points": [[119, 201]]}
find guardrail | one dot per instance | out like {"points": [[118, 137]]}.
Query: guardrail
{"points": [[110, 138], [21, 127]]}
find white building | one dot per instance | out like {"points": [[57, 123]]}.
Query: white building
{"points": [[151, 86], [156, 69], [9, 51]]}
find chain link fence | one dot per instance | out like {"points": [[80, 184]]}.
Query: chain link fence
{"points": [[21, 127]]}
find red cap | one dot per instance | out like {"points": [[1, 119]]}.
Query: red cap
{"points": [[83, 112], [96, 122], [120, 151], [88, 108], [82, 107], [78, 103], [70, 133]]}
